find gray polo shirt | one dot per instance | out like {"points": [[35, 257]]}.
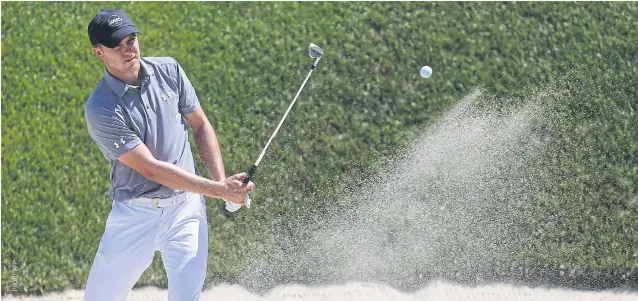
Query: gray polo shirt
{"points": [[119, 117]]}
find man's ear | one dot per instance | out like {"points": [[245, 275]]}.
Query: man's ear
{"points": [[98, 51]]}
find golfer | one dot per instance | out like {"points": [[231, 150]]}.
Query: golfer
{"points": [[139, 115]]}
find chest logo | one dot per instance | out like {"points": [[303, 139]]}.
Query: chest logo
{"points": [[167, 96]]}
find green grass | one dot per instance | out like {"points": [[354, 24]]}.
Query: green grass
{"points": [[365, 101]]}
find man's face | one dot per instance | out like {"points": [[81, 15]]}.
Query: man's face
{"points": [[124, 58]]}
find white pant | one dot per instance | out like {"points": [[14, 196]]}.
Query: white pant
{"points": [[132, 235]]}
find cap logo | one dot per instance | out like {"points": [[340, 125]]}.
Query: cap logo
{"points": [[115, 21]]}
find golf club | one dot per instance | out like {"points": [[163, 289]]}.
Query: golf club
{"points": [[314, 52]]}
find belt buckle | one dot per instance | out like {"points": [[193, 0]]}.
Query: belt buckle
{"points": [[155, 203]]}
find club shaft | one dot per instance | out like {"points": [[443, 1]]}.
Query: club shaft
{"points": [[261, 156]]}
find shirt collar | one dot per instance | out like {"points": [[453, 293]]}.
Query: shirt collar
{"points": [[120, 87]]}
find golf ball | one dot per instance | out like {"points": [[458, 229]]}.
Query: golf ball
{"points": [[426, 71]]}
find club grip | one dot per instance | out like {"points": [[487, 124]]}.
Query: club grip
{"points": [[250, 172]]}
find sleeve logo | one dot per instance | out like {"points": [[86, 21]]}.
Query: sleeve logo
{"points": [[117, 145]]}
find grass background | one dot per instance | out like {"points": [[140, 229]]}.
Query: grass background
{"points": [[364, 102]]}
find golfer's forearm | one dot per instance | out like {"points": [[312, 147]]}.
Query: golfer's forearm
{"points": [[177, 178], [209, 151]]}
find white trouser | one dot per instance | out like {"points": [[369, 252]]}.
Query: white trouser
{"points": [[134, 232]]}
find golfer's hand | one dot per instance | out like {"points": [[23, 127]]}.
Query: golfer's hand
{"points": [[236, 190]]}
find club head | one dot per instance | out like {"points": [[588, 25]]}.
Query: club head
{"points": [[314, 51]]}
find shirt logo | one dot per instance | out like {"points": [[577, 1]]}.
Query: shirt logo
{"points": [[115, 21], [167, 96], [117, 145]]}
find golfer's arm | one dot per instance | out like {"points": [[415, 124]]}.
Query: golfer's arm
{"points": [[141, 160], [207, 144]]}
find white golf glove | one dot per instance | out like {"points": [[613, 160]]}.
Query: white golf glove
{"points": [[232, 207]]}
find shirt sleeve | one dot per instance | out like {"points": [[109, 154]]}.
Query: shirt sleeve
{"points": [[188, 102], [111, 133]]}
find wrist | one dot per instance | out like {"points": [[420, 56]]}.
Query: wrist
{"points": [[219, 178], [221, 189]]}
